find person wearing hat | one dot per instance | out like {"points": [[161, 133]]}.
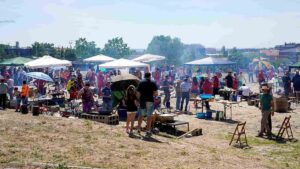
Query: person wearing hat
{"points": [[267, 109]]}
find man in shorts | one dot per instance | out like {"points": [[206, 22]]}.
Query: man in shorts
{"points": [[147, 90]]}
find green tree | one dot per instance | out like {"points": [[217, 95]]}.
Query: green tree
{"points": [[116, 48], [69, 54], [171, 48], [3, 54], [41, 49], [84, 49], [240, 58]]}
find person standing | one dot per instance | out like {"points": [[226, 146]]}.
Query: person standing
{"points": [[296, 82], [147, 90], [178, 94], [166, 88], [131, 104], [195, 87], [185, 93], [241, 80], [286, 80], [216, 84], [250, 73], [86, 95], [25, 93], [10, 84], [261, 78], [267, 109], [235, 82], [107, 100], [3, 93], [207, 89], [18, 96], [101, 81], [229, 80]]}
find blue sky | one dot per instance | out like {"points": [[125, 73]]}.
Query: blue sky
{"points": [[213, 23]]}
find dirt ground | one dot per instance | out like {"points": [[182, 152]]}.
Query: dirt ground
{"points": [[39, 142]]}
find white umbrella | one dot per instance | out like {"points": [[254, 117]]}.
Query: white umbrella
{"points": [[99, 58], [122, 63], [47, 61], [149, 58], [39, 75]]}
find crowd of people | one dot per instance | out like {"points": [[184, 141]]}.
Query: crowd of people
{"points": [[185, 82]]}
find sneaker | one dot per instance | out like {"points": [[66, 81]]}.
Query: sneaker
{"points": [[131, 134], [148, 134]]}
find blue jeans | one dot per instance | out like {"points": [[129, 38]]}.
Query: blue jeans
{"points": [[107, 105], [178, 99], [186, 97]]}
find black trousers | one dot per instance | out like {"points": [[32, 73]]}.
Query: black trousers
{"points": [[3, 100]]}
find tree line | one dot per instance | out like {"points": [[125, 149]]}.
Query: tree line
{"points": [[172, 48]]}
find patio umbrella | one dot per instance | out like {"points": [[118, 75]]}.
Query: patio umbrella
{"points": [[262, 61], [122, 82], [39, 75]]}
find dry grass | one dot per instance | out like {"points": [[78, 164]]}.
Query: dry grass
{"points": [[26, 140]]}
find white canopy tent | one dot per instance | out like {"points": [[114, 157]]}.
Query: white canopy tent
{"points": [[146, 58], [47, 61], [99, 58], [123, 63], [210, 61]]}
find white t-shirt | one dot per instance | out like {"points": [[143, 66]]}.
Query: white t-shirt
{"points": [[245, 90]]}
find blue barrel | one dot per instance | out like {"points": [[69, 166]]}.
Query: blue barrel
{"points": [[208, 115], [122, 114]]}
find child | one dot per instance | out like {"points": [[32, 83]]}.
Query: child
{"points": [[17, 94]]}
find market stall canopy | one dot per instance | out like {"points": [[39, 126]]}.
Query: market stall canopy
{"points": [[149, 58], [40, 76], [15, 61], [122, 63], [99, 58], [296, 65], [47, 61], [209, 61]]}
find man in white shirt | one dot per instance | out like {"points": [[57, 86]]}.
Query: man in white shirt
{"points": [[245, 91]]}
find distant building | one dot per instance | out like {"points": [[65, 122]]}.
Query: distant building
{"points": [[210, 50], [197, 50], [16, 50], [272, 54], [290, 51]]}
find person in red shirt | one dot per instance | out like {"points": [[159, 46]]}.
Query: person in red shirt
{"points": [[215, 84], [101, 82], [40, 85], [261, 77], [207, 89]]}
